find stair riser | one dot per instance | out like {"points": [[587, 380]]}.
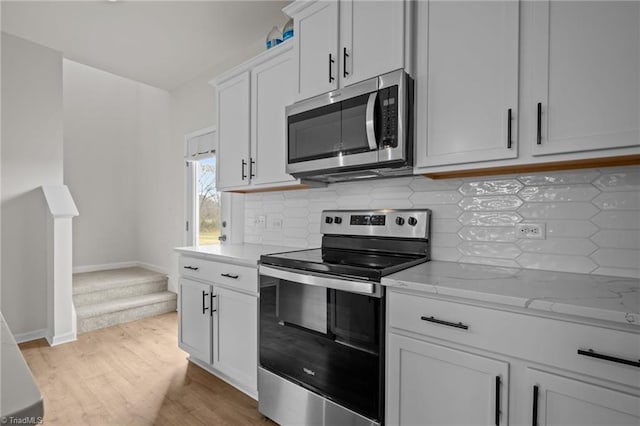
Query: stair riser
{"points": [[119, 292], [107, 320]]}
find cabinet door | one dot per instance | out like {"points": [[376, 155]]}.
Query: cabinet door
{"points": [[586, 74], [273, 89], [562, 401], [428, 384], [195, 319], [372, 36], [316, 38], [234, 122], [467, 81], [236, 336]]}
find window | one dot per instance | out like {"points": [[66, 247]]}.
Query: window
{"points": [[203, 199], [208, 202]]}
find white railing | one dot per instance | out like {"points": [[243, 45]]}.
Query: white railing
{"points": [[61, 317]]}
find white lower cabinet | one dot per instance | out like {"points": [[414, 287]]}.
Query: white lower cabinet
{"points": [[219, 320], [451, 362], [236, 335], [195, 319], [557, 400], [431, 384]]}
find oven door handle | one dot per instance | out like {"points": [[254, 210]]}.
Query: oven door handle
{"points": [[370, 121], [310, 278]]}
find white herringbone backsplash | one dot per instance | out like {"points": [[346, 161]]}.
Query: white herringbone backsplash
{"points": [[592, 217]]}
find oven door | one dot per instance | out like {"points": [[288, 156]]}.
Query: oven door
{"points": [[329, 340]]}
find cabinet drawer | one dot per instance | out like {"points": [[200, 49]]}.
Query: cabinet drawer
{"points": [[241, 277], [547, 341], [233, 276]]}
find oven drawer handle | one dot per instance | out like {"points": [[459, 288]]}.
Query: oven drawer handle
{"points": [[235, 277], [594, 354], [309, 278], [193, 268], [443, 322]]}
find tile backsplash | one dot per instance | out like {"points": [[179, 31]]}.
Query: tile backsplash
{"points": [[592, 217]]}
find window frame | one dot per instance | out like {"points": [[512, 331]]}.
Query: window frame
{"points": [[191, 157]]}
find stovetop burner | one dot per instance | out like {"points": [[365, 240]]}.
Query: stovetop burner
{"points": [[363, 245]]}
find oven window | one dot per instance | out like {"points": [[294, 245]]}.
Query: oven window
{"points": [[329, 131], [327, 341]]}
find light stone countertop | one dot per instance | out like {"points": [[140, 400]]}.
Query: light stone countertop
{"points": [[20, 398], [239, 254], [591, 296]]}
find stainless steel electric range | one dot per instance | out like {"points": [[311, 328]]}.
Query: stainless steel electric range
{"points": [[322, 317]]}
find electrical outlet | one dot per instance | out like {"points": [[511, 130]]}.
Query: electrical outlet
{"points": [[533, 231], [275, 223], [260, 222]]}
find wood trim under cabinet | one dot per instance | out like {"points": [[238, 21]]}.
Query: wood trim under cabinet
{"points": [[277, 188], [623, 160]]}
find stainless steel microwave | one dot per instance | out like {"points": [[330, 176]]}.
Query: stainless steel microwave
{"points": [[359, 132]]}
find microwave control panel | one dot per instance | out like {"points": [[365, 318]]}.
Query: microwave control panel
{"points": [[388, 104]]}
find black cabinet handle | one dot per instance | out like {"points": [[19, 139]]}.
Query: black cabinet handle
{"points": [[497, 401], [211, 304], [509, 128], [345, 55], [244, 166], [450, 324], [593, 354], [204, 297], [235, 277], [331, 62], [539, 133], [534, 417], [193, 268], [252, 164]]}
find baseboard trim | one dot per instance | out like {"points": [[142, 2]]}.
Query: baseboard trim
{"points": [[31, 335], [62, 338], [119, 265]]}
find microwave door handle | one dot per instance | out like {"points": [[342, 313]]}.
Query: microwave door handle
{"points": [[370, 121]]}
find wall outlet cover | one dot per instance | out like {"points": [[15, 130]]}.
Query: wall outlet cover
{"points": [[531, 231]]}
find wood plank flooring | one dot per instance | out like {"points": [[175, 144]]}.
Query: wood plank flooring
{"points": [[133, 374]]}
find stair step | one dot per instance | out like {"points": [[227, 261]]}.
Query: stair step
{"points": [[101, 315], [89, 282], [120, 292]]}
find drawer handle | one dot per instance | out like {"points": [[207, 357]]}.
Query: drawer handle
{"points": [[235, 277], [594, 354], [449, 323], [193, 268]]}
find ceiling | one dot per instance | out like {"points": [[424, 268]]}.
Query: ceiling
{"points": [[161, 43]]}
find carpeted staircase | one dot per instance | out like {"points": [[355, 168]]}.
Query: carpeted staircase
{"points": [[116, 296]]}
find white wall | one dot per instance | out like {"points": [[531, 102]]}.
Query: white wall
{"points": [[32, 153], [100, 145]]}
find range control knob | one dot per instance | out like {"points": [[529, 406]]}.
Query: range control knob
{"points": [[328, 219], [412, 221], [399, 221], [337, 220]]}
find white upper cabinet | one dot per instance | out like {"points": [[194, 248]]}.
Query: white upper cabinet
{"points": [[372, 39], [233, 131], [273, 90], [316, 39], [342, 42], [252, 136], [586, 76], [467, 81]]}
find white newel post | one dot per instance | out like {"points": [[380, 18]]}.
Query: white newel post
{"points": [[61, 311]]}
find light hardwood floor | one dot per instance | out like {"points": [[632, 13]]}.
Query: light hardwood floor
{"points": [[133, 374]]}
